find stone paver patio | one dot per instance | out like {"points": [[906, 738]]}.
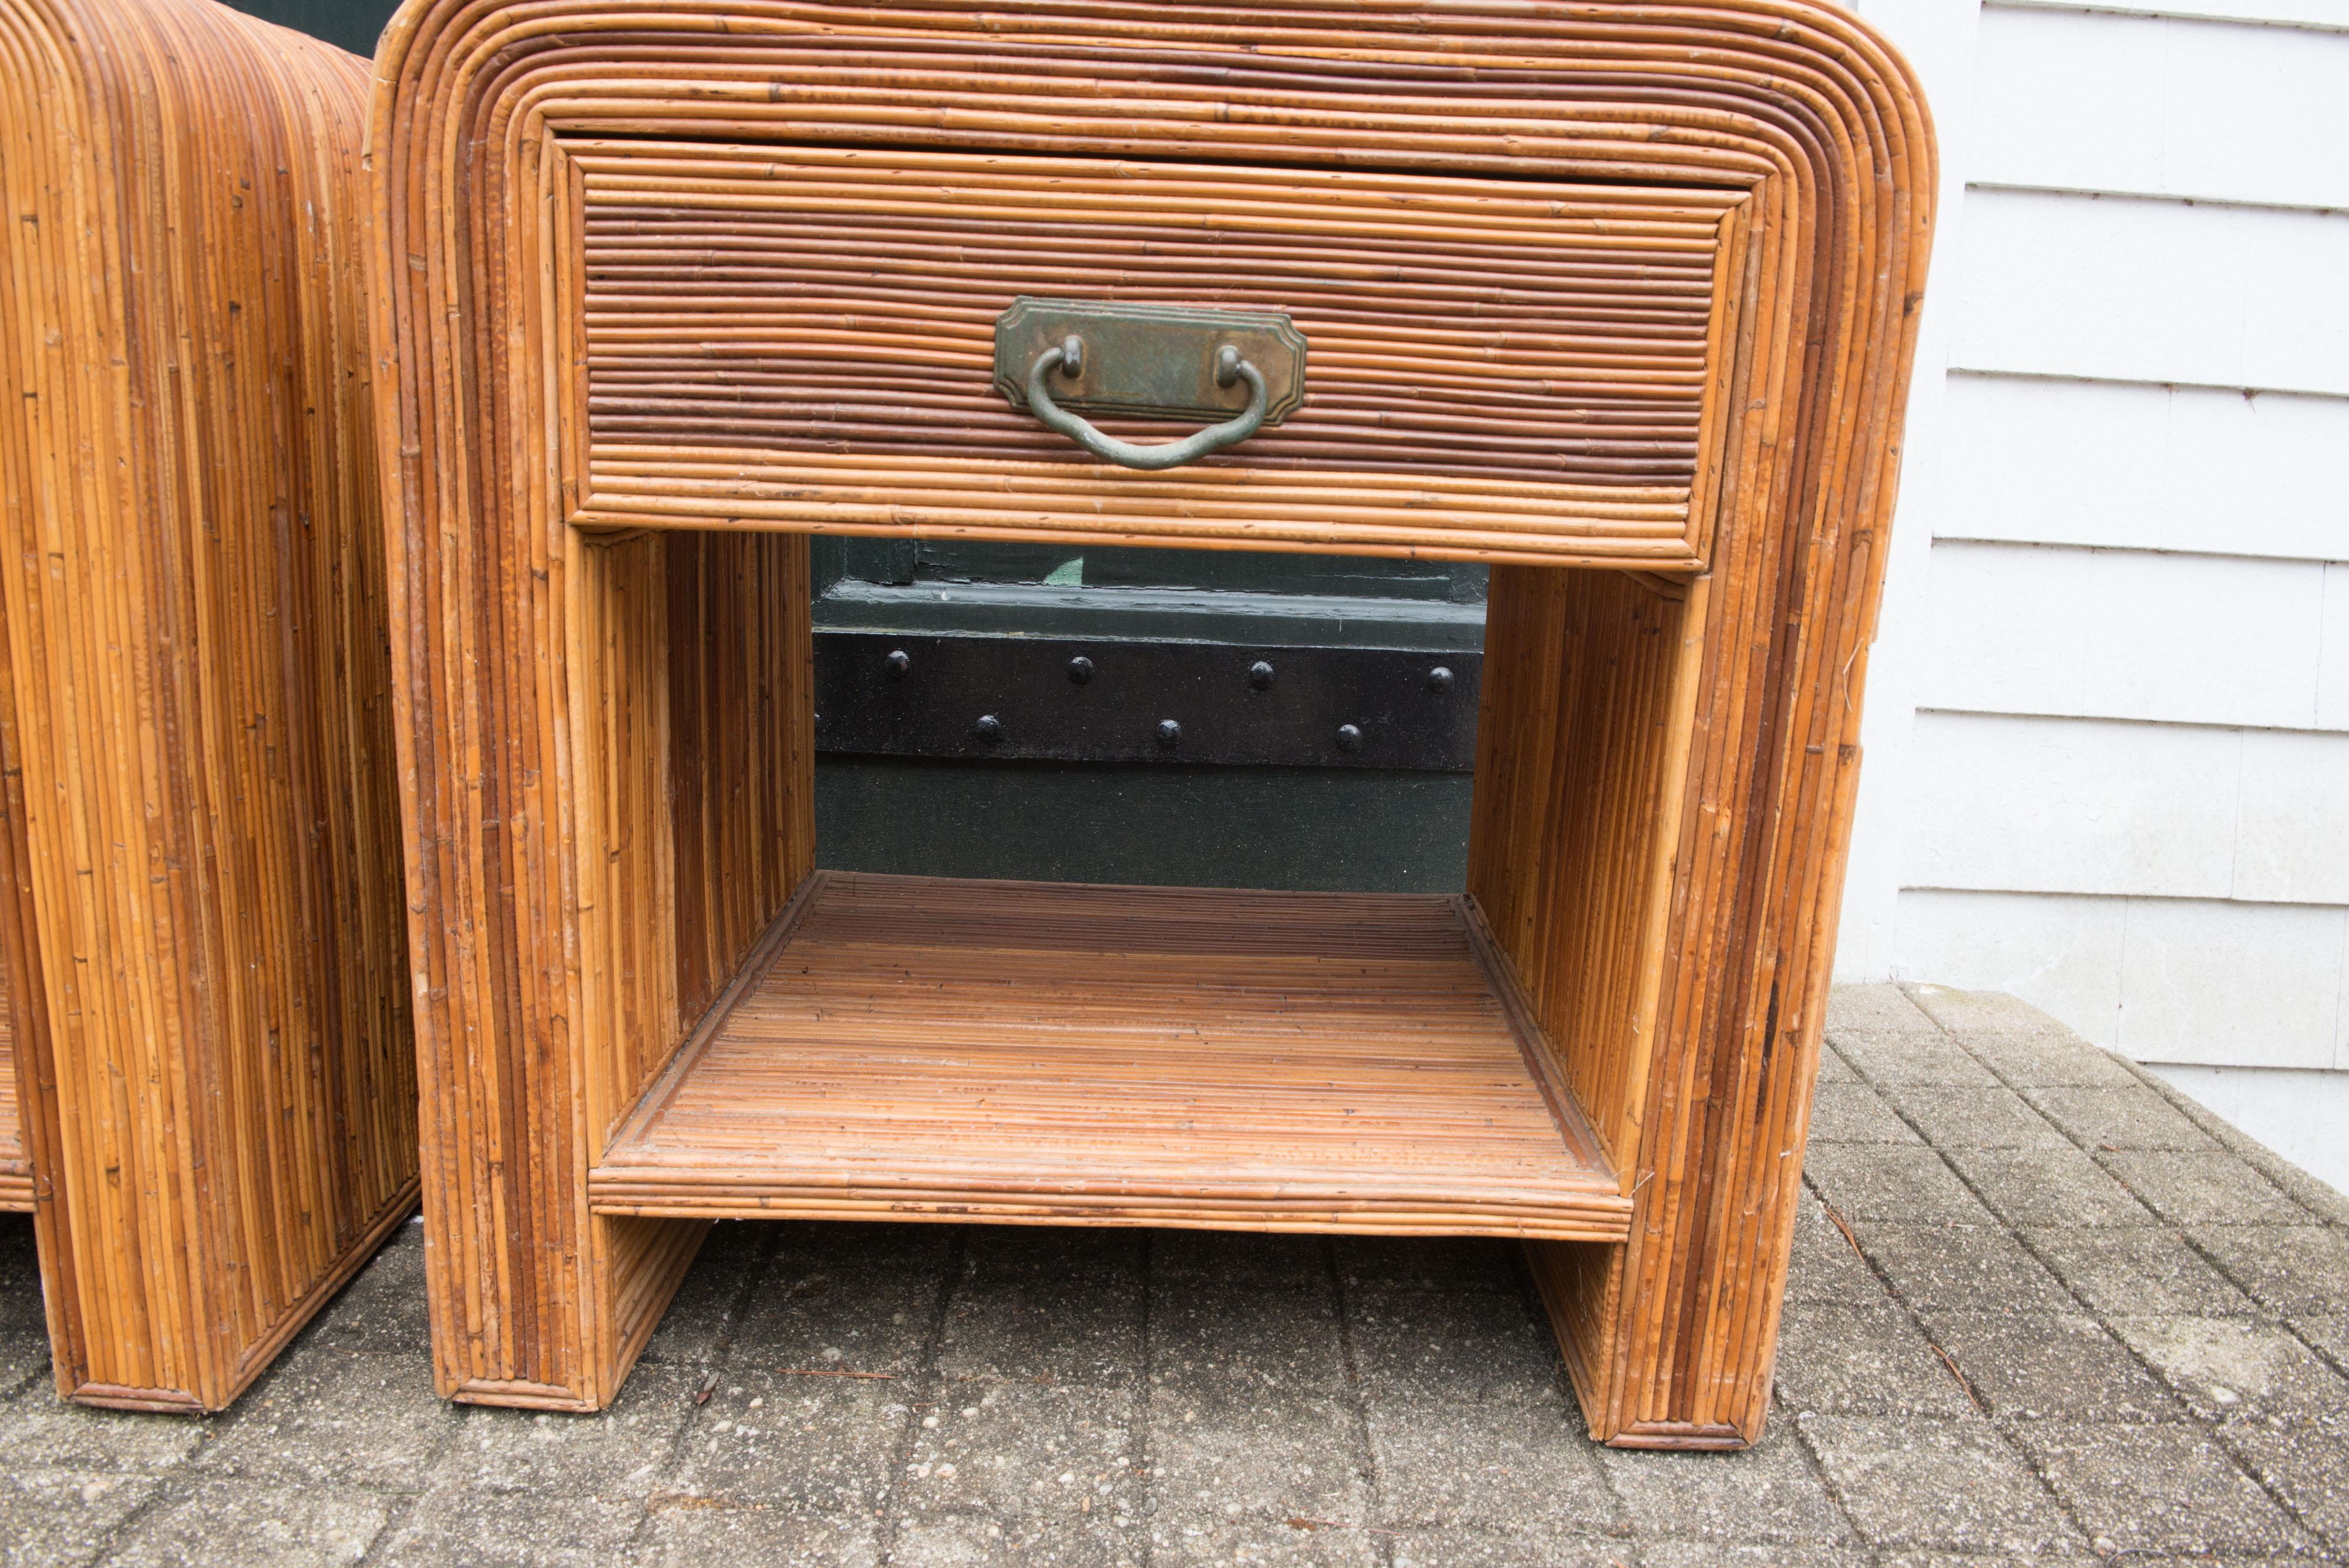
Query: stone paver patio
{"points": [[2041, 1307]]}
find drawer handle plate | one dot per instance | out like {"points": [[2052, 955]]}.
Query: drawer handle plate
{"points": [[1056, 357]]}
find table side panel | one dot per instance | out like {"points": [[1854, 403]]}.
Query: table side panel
{"points": [[206, 921]]}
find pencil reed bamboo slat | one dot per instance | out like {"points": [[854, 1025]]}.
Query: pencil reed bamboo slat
{"points": [[201, 929], [15, 1166], [724, 269]]}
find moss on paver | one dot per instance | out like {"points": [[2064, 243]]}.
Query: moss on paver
{"points": [[2040, 1308]]}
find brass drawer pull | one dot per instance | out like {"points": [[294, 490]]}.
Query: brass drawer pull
{"points": [[1067, 356], [1057, 356]]}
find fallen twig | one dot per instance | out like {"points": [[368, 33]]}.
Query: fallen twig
{"points": [[1951, 1363], [1845, 1229]]}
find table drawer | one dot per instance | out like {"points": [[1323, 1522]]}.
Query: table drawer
{"points": [[805, 337]]}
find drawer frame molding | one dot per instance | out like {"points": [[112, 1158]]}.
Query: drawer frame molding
{"points": [[623, 484]]}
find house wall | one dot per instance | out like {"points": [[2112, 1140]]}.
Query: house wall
{"points": [[2108, 731]]}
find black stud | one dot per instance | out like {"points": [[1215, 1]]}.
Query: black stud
{"points": [[898, 662], [990, 730], [1170, 735], [1439, 680], [1349, 738], [1260, 676], [1080, 669]]}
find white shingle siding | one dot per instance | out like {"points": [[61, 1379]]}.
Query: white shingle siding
{"points": [[2129, 289], [2032, 804], [2162, 980], [2148, 106], [2108, 727], [2212, 471], [2129, 634], [2315, 15]]}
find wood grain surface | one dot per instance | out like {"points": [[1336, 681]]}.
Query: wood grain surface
{"points": [[202, 923], [724, 267], [16, 1164], [1041, 1052]]}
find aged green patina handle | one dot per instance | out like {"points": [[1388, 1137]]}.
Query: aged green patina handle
{"points": [[1068, 356]]}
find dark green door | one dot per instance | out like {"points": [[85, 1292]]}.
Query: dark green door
{"points": [[1203, 641]]}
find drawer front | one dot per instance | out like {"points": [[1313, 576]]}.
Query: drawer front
{"points": [[805, 337]]}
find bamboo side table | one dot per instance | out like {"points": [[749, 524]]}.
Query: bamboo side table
{"points": [[201, 927], [1617, 297]]}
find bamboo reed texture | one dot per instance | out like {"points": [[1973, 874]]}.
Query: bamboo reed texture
{"points": [[15, 1165], [202, 927], [1619, 299]]}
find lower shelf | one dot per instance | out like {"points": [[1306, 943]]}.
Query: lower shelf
{"points": [[915, 1047]]}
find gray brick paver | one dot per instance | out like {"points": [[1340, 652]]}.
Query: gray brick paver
{"points": [[1974, 1117], [2305, 1464], [60, 1516], [1854, 1112], [1910, 1186], [1962, 1268], [1046, 1469], [1913, 1059], [2229, 1368], [36, 1430], [2203, 1188], [368, 1421], [1953, 1485], [1768, 1493], [2057, 1186], [1517, 1469], [2117, 1119], [2030, 1366], [2156, 1488], [1862, 1361], [1478, 1549], [1757, 1554], [1258, 1260], [1826, 1265], [1252, 1424], [2290, 1268], [253, 1524], [1833, 1068], [1451, 1264], [480, 1527], [2137, 1269], [2326, 1333]]}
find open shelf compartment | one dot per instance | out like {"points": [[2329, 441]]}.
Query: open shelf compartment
{"points": [[914, 1047]]}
